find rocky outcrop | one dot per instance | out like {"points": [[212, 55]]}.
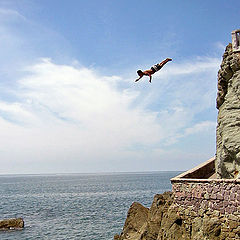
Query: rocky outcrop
{"points": [[227, 163], [149, 224], [201, 209], [136, 220], [168, 221], [11, 224]]}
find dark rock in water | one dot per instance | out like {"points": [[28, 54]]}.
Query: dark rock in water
{"points": [[11, 224]]}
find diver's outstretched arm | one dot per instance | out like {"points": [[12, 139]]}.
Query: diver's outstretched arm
{"points": [[138, 79]]}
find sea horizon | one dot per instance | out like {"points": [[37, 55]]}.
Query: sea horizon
{"points": [[88, 173]]}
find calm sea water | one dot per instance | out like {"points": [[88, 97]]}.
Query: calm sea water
{"points": [[77, 206]]}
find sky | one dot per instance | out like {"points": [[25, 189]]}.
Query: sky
{"points": [[68, 100]]}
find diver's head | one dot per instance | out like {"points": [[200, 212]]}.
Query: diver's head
{"points": [[140, 73]]}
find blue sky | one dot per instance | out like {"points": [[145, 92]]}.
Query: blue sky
{"points": [[68, 100]]}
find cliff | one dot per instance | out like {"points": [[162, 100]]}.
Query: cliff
{"points": [[227, 162], [201, 207]]}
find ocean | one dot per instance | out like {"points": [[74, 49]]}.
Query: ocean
{"points": [[75, 206]]}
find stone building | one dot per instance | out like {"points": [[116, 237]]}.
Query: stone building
{"points": [[236, 40]]}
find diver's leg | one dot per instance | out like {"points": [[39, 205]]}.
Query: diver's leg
{"points": [[165, 61]]}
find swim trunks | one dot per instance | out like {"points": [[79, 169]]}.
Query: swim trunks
{"points": [[156, 67]]}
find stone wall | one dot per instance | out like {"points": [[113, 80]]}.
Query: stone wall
{"points": [[210, 195], [208, 202], [218, 200]]}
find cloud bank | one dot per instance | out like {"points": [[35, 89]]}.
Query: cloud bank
{"points": [[69, 118], [67, 114]]}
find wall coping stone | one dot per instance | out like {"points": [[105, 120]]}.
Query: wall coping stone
{"points": [[208, 165]]}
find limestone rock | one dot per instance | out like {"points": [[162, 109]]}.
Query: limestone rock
{"points": [[136, 219], [145, 224], [11, 224], [157, 215], [228, 129]]}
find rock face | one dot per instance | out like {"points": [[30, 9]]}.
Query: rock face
{"points": [[167, 221], [11, 224], [148, 225], [136, 219], [227, 163]]}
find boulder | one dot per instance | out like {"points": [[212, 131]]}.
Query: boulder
{"points": [[11, 224], [135, 222]]}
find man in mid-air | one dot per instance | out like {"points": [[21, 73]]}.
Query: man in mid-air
{"points": [[153, 69]]}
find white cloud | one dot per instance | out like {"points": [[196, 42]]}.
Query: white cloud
{"points": [[9, 14], [198, 65], [57, 118], [72, 112], [200, 127], [67, 117]]}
